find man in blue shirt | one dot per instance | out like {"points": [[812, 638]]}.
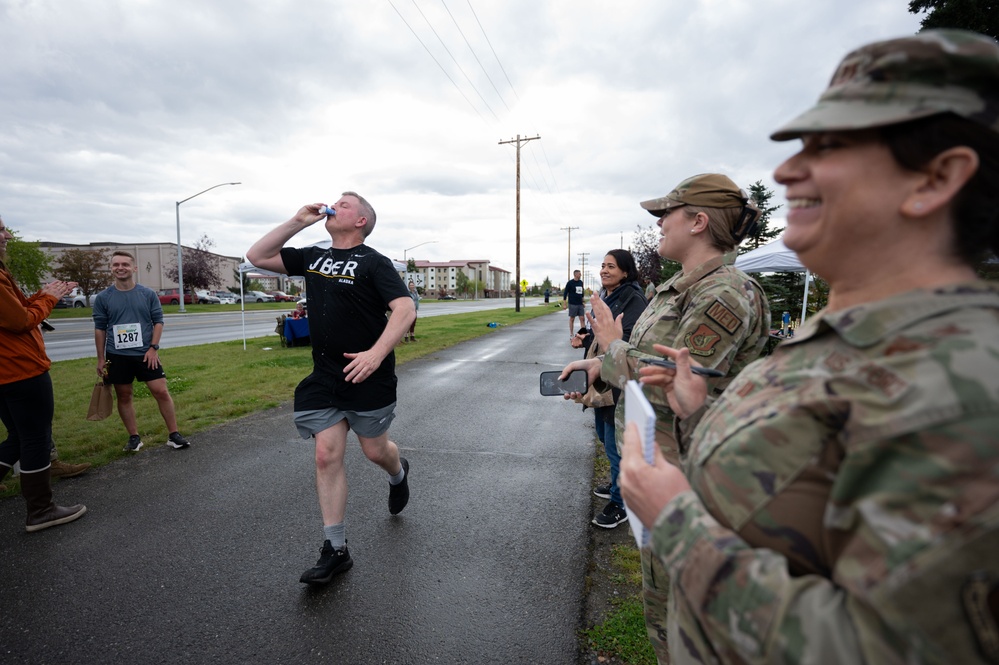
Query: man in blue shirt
{"points": [[128, 323]]}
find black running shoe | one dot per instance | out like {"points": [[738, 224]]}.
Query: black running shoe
{"points": [[134, 443], [612, 515], [399, 494], [330, 563], [603, 491], [177, 441]]}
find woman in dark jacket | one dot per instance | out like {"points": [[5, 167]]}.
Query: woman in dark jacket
{"points": [[619, 291]]}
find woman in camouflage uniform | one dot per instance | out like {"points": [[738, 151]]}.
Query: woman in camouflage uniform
{"points": [[710, 307], [840, 501]]}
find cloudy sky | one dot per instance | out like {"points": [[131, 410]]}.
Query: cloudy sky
{"points": [[113, 111]]}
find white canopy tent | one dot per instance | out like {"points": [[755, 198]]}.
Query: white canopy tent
{"points": [[775, 257], [246, 267]]}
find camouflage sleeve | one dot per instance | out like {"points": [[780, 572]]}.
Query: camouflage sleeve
{"points": [[913, 583], [713, 327], [621, 363]]}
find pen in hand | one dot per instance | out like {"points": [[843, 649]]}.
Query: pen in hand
{"points": [[663, 362]]}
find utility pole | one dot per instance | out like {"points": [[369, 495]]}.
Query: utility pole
{"points": [[568, 254], [582, 264], [518, 141]]}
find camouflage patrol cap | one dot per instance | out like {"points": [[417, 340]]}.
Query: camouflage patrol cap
{"points": [[710, 190], [889, 82]]}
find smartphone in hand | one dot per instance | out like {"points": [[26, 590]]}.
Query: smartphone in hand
{"points": [[576, 382]]}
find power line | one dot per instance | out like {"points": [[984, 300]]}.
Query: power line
{"points": [[453, 59], [540, 176], [472, 51], [439, 64], [493, 50]]}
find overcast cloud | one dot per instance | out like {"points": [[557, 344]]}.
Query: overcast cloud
{"points": [[113, 111]]}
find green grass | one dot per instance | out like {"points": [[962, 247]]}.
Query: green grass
{"points": [[622, 633]]}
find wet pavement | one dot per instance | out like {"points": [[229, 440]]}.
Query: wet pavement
{"points": [[193, 556]]}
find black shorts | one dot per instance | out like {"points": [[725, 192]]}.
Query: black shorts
{"points": [[126, 369]]}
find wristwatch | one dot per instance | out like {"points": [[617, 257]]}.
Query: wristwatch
{"points": [[155, 347]]}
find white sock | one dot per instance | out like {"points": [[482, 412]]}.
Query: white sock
{"points": [[336, 534], [397, 478]]}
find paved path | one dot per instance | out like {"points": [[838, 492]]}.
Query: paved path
{"points": [[194, 556]]}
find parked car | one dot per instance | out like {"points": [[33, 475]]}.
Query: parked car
{"points": [[446, 296], [74, 298], [281, 296], [206, 297], [226, 297], [172, 297], [258, 296]]}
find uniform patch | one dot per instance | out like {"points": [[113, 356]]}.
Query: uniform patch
{"points": [[837, 362], [724, 317], [881, 379], [702, 341]]}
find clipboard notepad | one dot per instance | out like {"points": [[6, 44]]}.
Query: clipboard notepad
{"points": [[638, 410]]}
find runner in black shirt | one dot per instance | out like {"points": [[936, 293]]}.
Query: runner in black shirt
{"points": [[353, 384]]}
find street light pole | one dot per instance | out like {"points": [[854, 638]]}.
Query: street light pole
{"points": [[414, 247], [406, 270], [180, 254]]}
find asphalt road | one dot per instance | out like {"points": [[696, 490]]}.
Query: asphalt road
{"points": [[74, 338], [194, 556]]}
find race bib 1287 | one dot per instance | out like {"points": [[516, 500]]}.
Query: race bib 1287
{"points": [[127, 336]]}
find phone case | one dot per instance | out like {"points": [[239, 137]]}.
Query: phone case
{"points": [[576, 383]]}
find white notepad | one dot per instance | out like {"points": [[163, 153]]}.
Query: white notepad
{"points": [[638, 410]]}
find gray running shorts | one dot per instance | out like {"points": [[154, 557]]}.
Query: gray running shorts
{"points": [[577, 310], [368, 424]]}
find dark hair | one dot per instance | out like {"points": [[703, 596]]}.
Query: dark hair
{"points": [[626, 262], [976, 206]]}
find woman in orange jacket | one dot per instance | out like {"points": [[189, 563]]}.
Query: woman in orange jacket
{"points": [[26, 399]]}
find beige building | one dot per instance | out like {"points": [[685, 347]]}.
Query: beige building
{"points": [[438, 278], [151, 258]]}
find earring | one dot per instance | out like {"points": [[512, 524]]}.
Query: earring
{"points": [[918, 205]]}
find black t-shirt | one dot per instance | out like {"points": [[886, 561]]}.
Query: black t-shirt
{"points": [[573, 291], [348, 291]]}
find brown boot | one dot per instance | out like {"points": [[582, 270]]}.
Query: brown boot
{"points": [[42, 512], [63, 470]]}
